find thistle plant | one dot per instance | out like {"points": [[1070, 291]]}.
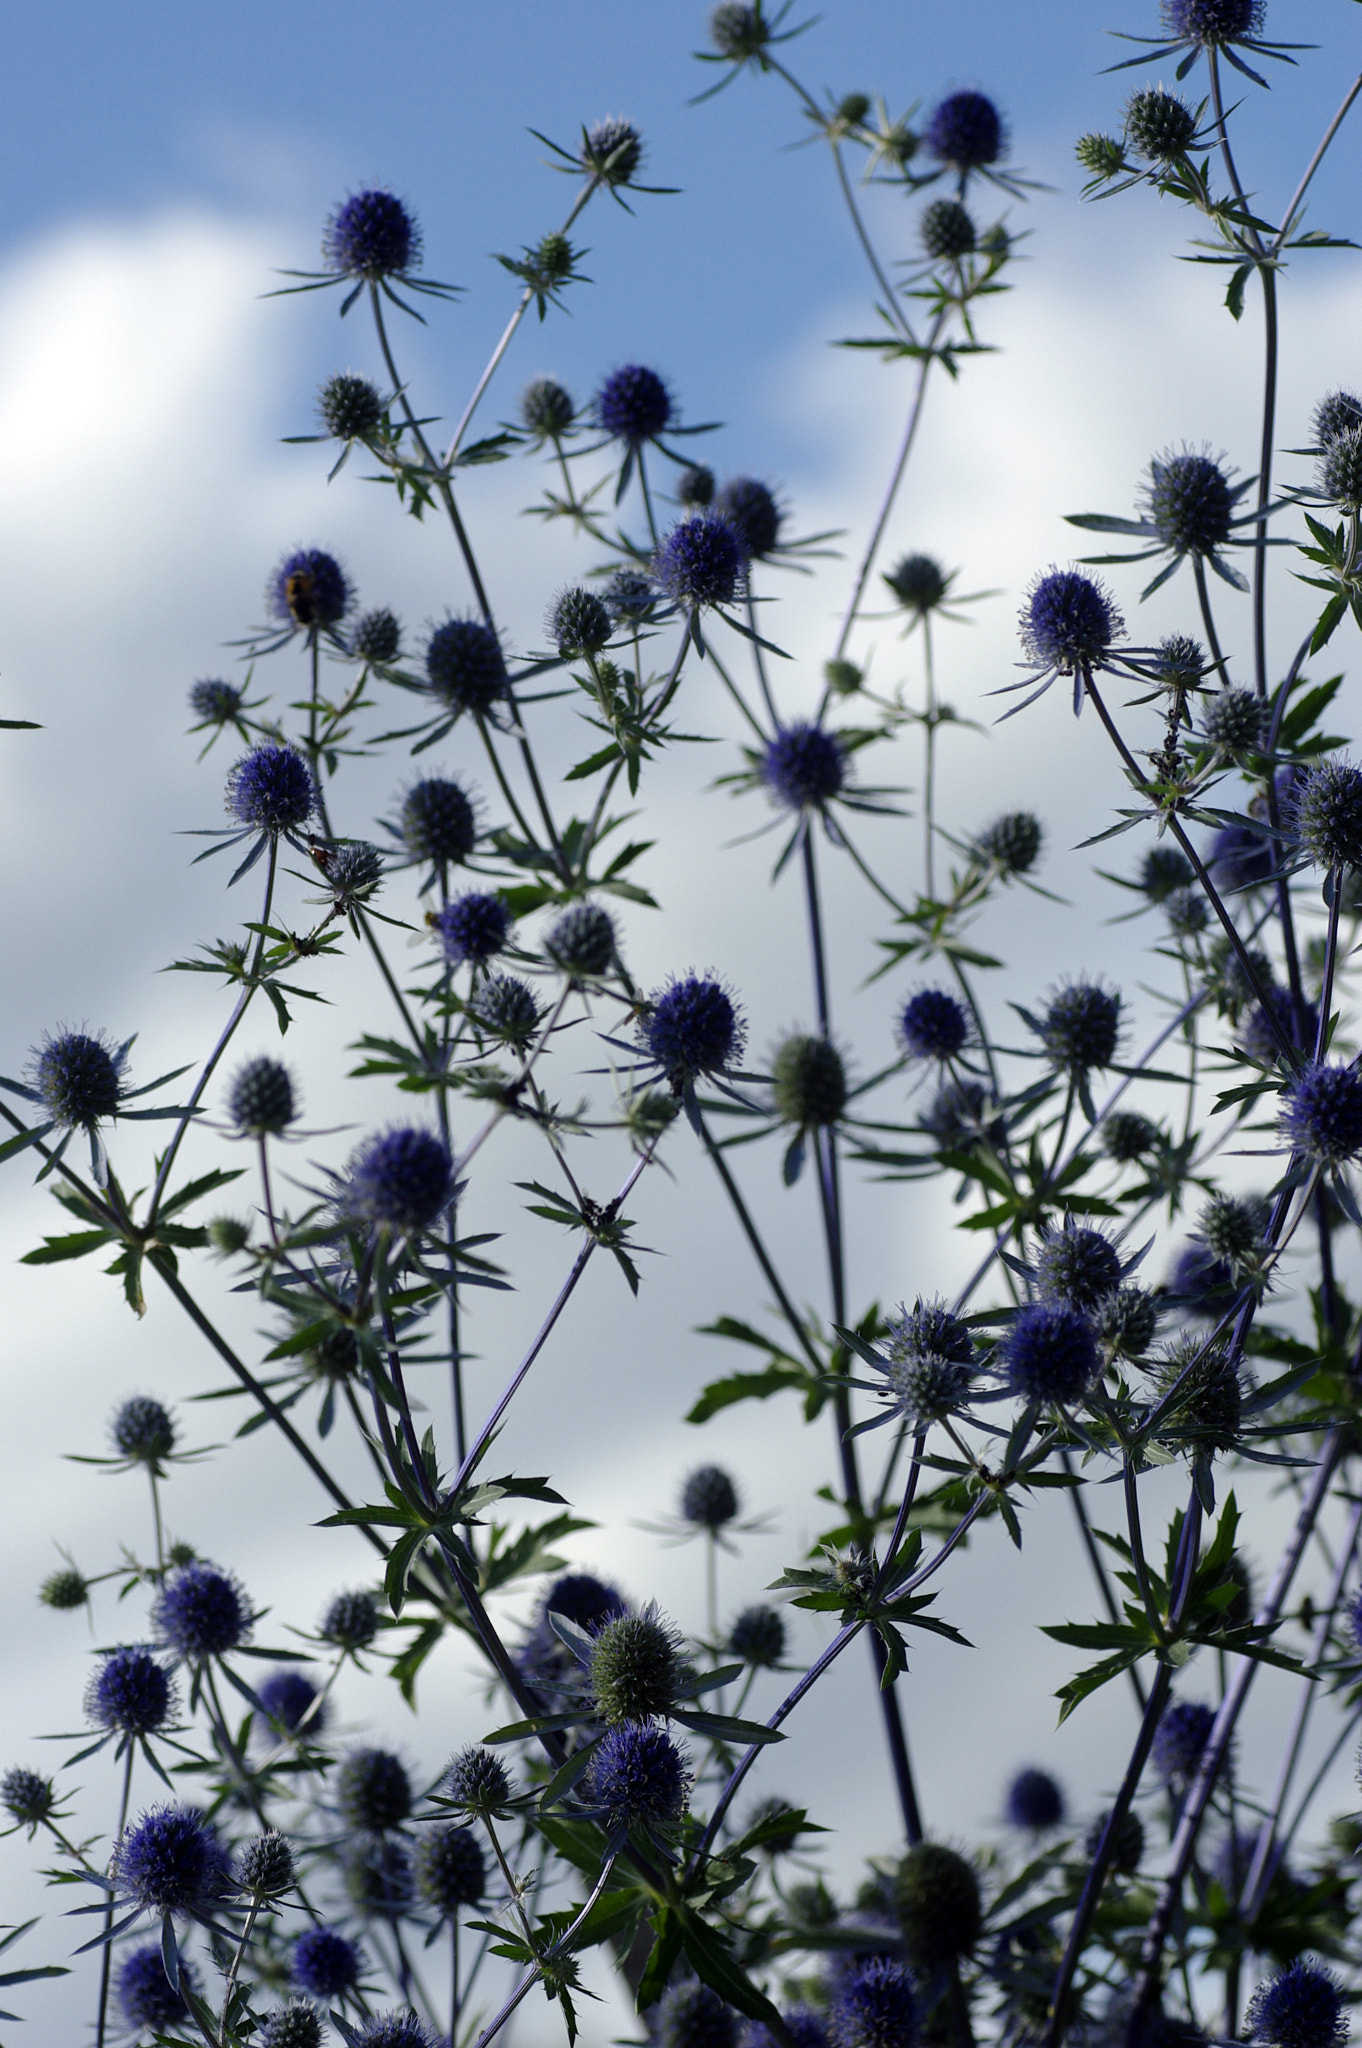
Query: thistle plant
{"points": [[1140, 1324]]}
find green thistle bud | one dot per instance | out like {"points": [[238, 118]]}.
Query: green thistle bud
{"points": [[808, 1081], [350, 408], [1100, 154], [936, 1897], [64, 1590], [1235, 720], [1229, 1228], [266, 1869], [636, 1667], [1126, 1322], [1128, 1136], [843, 677], [947, 230], [1159, 125], [228, 1235]]}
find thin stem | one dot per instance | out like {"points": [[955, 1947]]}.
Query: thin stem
{"points": [[929, 762], [224, 1040], [526, 301], [1208, 617], [1099, 1567], [1316, 160], [891, 297], [1264, 480], [124, 1797]]}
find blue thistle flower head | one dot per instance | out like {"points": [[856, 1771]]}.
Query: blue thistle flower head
{"points": [[1034, 1801], [612, 150], [1240, 857], [437, 821], [398, 2029], [965, 132], [578, 622], [546, 409], [272, 789], [585, 1599], [637, 1777], [630, 596], [633, 405], [378, 1876], [1069, 621], [143, 1430], [934, 1025], [702, 561], [505, 1008], [399, 1179], [146, 1996], [1181, 1737], [472, 927], [201, 1611], [451, 1870], [350, 1621], [1077, 1266], [1050, 1353], [1336, 412], [27, 1796], [324, 1963], [929, 1327], [309, 588], [1189, 502], [170, 1861], [260, 1101], [1081, 1027], [371, 235], [213, 702], [373, 1791], [690, 2015], [478, 1779], [1213, 23], [377, 637], [709, 1498], [947, 231], [349, 407], [1301, 2007], [79, 1076], [750, 506], [286, 1696], [1326, 814], [874, 2007], [582, 940], [918, 583], [758, 1637], [804, 766], [692, 1028], [465, 666], [1322, 1113], [1200, 1283], [131, 1692]]}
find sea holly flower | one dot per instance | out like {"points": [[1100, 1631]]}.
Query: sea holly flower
{"points": [[1193, 28], [77, 1082], [201, 1612], [271, 794], [692, 1030], [637, 1777], [1068, 626], [436, 826], [325, 1963], [610, 154], [399, 1180], [1035, 1801], [373, 239], [170, 1862], [742, 34], [1190, 510], [1300, 2007]]}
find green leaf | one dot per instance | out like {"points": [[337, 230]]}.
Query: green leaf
{"points": [[750, 1386]]}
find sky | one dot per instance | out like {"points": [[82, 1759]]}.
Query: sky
{"points": [[160, 169]]}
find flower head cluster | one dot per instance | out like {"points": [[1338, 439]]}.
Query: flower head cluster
{"points": [[271, 789], [472, 928], [1160, 126], [436, 822], [451, 1871], [1182, 1735], [693, 1028], [1034, 1800], [702, 561], [170, 1861], [758, 1637], [936, 1898], [201, 1611], [1077, 1267], [350, 1621], [146, 1996], [1189, 502], [377, 637], [350, 408], [1012, 843], [399, 1179], [750, 507], [131, 1693], [612, 150], [288, 1698], [1322, 1113], [874, 2007], [808, 1081], [804, 766], [373, 1791], [1081, 1027], [260, 1100], [582, 941], [370, 236], [934, 1025], [465, 667], [78, 1077], [309, 589], [214, 702], [965, 132], [478, 1780], [578, 622], [1325, 806], [690, 2015], [918, 583], [143, 1430], [1300, 2007], [295, 2025], [1213, 23], [1050, 1353], [324, 1963], [379, 1880], [1068, 622], [636, 1666], [709, 1499], [633, 405], [546, 409], [506, 1008], [637, 1777]]}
